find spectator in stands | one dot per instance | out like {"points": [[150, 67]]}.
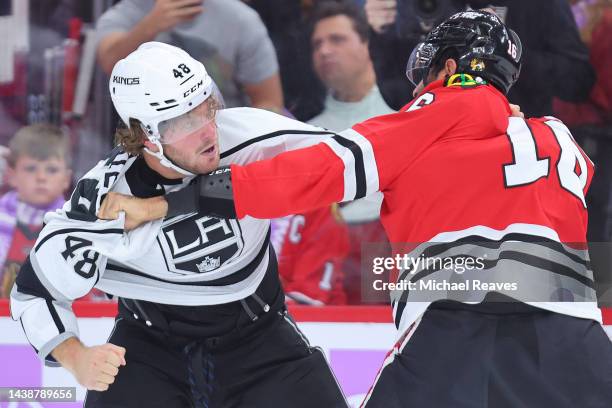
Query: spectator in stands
{"points": [[591, 126], [556, 62], [287, 24], [38, 173], [226, 35], [388, 52], [3, 157], [313, 248], [341, 60], [591, 120]]}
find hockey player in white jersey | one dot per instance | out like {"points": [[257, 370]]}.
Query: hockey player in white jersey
{"points": [[202, 320]]}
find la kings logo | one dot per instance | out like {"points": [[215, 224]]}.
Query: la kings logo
{"points": [[198, 244]]}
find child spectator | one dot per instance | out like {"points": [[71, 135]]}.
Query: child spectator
{"points": [[3, 155], [38, 174]]}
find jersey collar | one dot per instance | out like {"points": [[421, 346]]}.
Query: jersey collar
{"points": [[433, 85], [440, 84], [150, 177]]}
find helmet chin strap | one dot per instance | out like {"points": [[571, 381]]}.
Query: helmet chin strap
{"points": [[165, 161]]}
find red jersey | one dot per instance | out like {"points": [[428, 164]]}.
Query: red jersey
{"points": [[453, 166], [311, 248]]}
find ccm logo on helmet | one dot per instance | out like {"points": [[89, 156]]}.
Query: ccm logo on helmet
{"points": [[193, 89], [125, 81]]}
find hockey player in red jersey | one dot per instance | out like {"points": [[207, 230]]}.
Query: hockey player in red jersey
{"points": [[462, 178], [311, 248]]}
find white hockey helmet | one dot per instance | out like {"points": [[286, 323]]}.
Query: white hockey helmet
{"points": [[155, 84]]}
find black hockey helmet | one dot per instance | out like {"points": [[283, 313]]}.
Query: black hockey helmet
{"points": [[480, 43]]}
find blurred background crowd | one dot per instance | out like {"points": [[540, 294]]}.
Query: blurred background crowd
{"points": [[330, 63]]}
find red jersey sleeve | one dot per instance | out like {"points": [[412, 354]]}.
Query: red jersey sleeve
{"points": [[354, 163], [290, 183]]}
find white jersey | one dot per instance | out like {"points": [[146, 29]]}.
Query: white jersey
{"points": [[188, 260]]}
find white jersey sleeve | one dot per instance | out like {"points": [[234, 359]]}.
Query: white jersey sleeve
{"points": [[69, 258], [248, 134]]}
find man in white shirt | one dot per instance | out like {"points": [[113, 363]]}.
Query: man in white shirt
{"points": [[341, 60]]}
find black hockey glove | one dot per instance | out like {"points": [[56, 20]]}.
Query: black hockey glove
{"points": [[209, 194]]}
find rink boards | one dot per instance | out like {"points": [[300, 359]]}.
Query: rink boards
{"points": [[355, 340]]}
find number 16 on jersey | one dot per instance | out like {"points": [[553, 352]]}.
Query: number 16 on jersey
{"points": [[527, 167]]}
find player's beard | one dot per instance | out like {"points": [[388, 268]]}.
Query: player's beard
{"points": [[196, 161]]}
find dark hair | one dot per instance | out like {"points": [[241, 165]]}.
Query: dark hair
{"points": [[438, 63], [330, 8]]}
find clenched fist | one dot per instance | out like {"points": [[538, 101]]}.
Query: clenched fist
{"points": [[137, 210], [516, 111], [94, 367]]}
